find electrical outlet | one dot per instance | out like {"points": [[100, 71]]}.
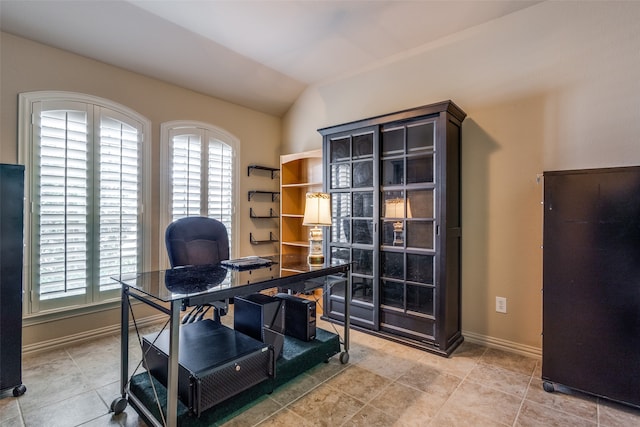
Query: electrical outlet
{"points": [[501, 304]]}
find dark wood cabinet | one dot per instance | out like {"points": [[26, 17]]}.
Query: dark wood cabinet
{"points": [[591, 282], [394, 182], [11, 253]]}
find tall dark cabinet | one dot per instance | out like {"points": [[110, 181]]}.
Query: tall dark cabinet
{"points": [[394, 182], [591, 282], [11, 253]]}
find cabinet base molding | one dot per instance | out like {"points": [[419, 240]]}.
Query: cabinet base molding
{"points": [[420, 345], [500, 344]]}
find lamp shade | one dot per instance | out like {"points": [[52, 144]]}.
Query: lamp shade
{"points": [[394, 208], [317, 209]]}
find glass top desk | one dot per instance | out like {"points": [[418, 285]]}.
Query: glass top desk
{"points": [[171, 291]]}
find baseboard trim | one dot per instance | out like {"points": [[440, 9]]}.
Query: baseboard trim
{"points": [[87, 335], [501, 344]]}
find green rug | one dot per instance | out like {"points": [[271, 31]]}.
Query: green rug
{"points": [[297, 357]]}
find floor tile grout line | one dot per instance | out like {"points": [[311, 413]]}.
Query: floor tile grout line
{"points": [[475, 365], [524, 396]]}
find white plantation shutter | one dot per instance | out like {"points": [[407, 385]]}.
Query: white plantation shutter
{"points": [[119, 200], [62, 195], [201, 160], [186, 175], [85, 166], [220, 196]]}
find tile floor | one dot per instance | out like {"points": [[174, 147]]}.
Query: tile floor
{"points": [[384, 384]]}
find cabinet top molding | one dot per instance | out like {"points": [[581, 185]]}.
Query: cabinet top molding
{"points": [[426, 110]]}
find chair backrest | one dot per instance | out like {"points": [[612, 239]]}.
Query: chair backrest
{"points": [[196, 240]]}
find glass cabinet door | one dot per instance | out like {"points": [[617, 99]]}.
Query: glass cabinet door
{"points": [[408, 224], [353, 184]]}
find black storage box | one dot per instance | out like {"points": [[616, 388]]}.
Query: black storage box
{"points": [[215, 363], [299, 317]]}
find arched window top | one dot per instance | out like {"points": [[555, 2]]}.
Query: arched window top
{"points": [[179, 126]]}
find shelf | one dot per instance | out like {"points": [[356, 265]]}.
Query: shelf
{"points": [[274, 194], [273, 171], [302, 184], [253, 241], [272, 214], [301, 243]]}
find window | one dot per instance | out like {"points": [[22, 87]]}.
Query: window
{"points": [[200, 179], [85, 193]]}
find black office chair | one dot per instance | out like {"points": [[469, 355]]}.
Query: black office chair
{"points": [[198, 240]]}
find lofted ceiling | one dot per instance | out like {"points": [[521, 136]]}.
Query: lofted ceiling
{"points": [[260, 54]]}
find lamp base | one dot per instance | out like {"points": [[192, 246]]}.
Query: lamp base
{"points": [[315, 260], [316, 257]]}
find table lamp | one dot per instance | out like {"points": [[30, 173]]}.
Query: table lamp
{"points": [[317, 212], [394, 208]]}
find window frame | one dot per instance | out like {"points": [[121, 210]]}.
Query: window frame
{"points": [[166, 216], [26, 150]]}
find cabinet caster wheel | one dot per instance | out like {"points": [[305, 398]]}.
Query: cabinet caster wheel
{"points": [[548, 387], [118, 405], [344, 357], [19, 390]]}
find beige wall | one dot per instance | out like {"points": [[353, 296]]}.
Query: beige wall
{"points": [[27, 66], [555, 86]]}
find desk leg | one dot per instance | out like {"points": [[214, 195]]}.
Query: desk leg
{"points": [[120, 404], [344, 357], [172, 380]]}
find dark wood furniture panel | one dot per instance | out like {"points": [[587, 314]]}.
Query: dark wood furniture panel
{"points": [[591, 282], [11, 255]]}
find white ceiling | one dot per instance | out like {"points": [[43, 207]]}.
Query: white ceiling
{"points": [[257, 53]]}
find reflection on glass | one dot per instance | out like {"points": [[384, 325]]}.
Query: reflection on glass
{"points": [[387, 233], [363, 145], [421, 203], [392, 141], [393, 171], [340, 230], [420, 136], [363, 261], [363, 204], [363, 231], [340, 175], [362, 174], [420, 299], [420, 168], [361, 289], [340, 213], [420, 268], [420, 234], [392, 294], [389, 208], [395, 207], [340, 204], [339, 151], [339, 255], [392, 265], [338, 288]]}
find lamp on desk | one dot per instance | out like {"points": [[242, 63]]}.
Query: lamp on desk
{"points": [[317, 212], [394, 208]]}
